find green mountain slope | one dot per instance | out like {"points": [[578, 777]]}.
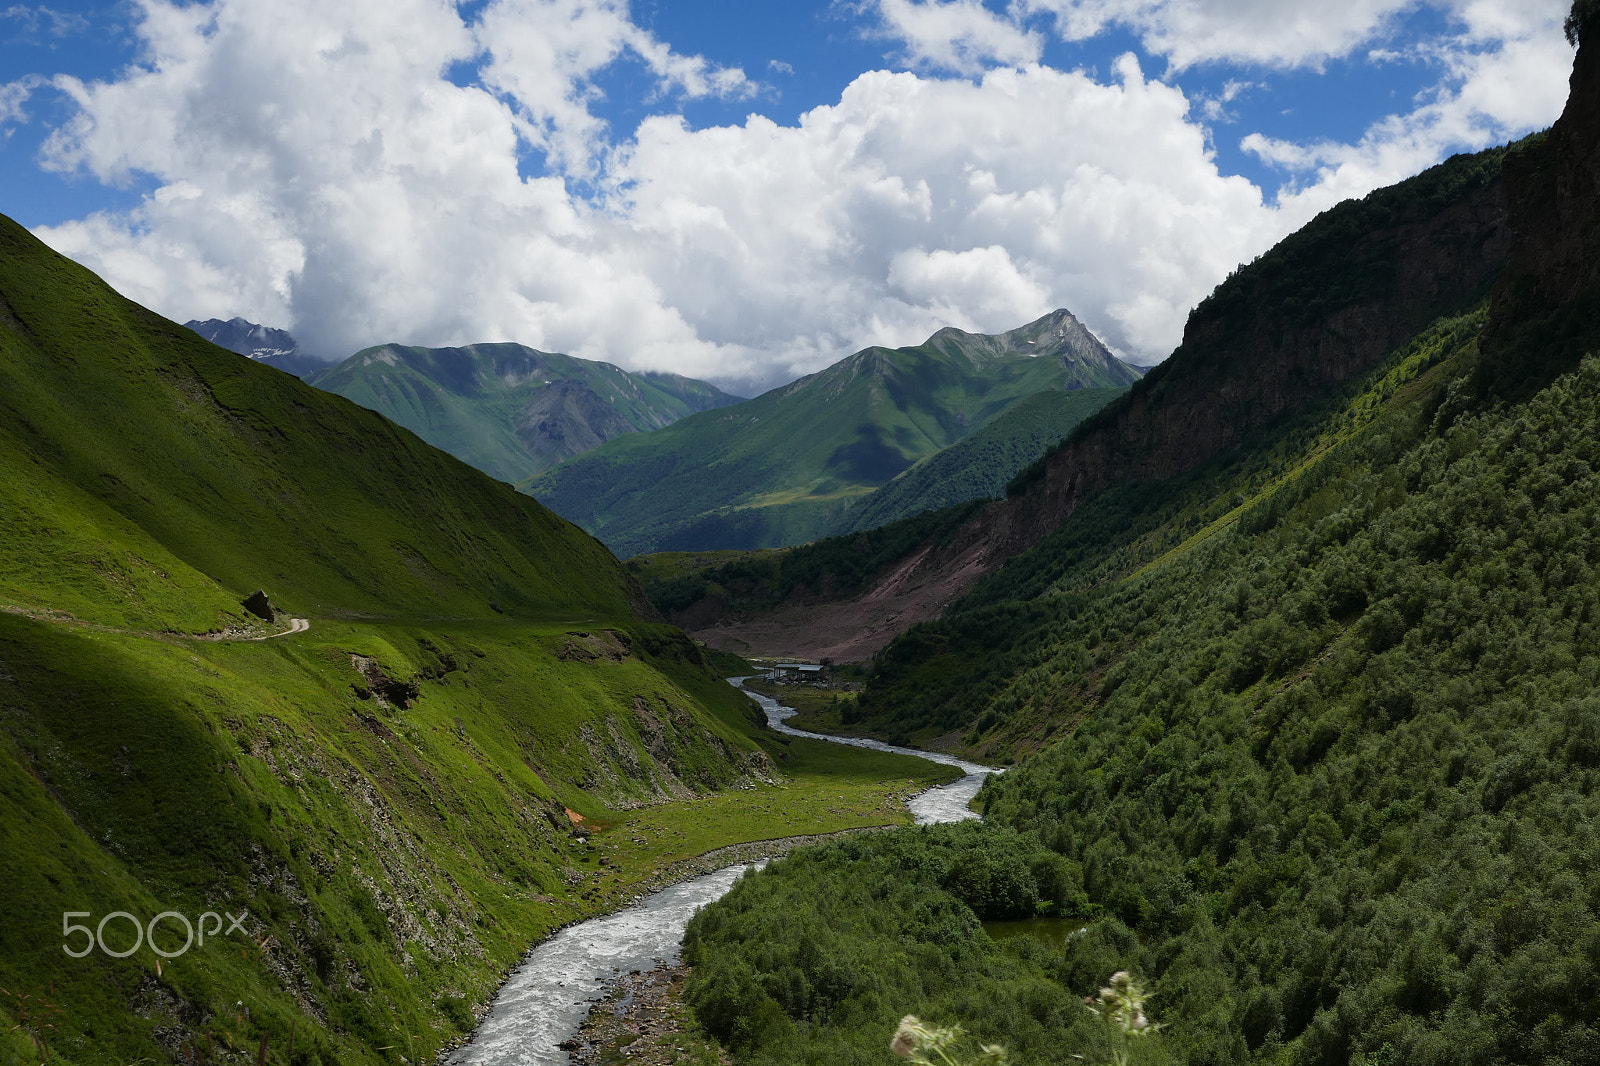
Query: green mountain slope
{"points": [[156, 480], [979, 466], [1310, 726], [509, 410], [781, 468], [384, 796]]}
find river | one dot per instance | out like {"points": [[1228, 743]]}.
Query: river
{"points": [[550, 992]]}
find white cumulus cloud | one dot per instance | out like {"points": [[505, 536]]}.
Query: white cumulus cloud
{"points": [[1504, 74], [956, 35], [331, 169], [1271, 33]]}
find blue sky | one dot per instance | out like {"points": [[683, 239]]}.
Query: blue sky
{"points": [[740, 191]]}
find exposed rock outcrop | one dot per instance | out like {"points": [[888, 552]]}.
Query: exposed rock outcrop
{"points": [[380, 686], [1543, 317], [259, 605]]}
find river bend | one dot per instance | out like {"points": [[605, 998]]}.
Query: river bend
{"points": [[550, 992]]}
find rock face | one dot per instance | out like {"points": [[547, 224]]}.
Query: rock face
{"points": [[260, 606], [569, 418], [380, 686], [1551, 286], [1058, 336], [274, 347], [1324, 305]]}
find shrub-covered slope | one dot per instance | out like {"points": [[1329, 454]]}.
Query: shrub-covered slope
{"points": [[817, 960], [385, 795], [509, 410], [1313, 724], [782, 468], [1315, 735], [1348, 753]]}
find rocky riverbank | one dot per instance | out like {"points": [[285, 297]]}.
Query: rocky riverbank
{"points": [[644, 1021]]}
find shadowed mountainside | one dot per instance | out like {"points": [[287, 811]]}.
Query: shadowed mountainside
{"points": [[1309, 728]]}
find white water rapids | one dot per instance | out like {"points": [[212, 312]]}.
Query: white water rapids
{"points": [[549, 994]]}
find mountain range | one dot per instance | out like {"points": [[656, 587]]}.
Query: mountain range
{"points": [[789, 465], [1323, 306], [510, 410], [266, 345]]}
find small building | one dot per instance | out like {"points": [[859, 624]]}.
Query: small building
{"points": [[799, 673]]}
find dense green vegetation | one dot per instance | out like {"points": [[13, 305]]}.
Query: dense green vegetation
{"points": [[979, 466], [509, 410], [817, 959], [785, 467], [1355, 762], [1330, 772]]}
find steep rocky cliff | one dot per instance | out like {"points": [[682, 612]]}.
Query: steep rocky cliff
{"points": [[1542, 317], [1325, 304]]}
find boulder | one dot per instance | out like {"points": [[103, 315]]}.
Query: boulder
{"points": [[260, 606]]}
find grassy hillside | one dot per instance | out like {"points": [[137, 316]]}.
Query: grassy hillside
{"points": [[782, 468], [509, 410], [979, 466], [155, 480], [387, 799]]}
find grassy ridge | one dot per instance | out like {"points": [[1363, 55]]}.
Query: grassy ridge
{"points": [[159, 479]]}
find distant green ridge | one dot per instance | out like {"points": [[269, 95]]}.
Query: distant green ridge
{"points": [[978, 467], [783, 468], [510, 410]]}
